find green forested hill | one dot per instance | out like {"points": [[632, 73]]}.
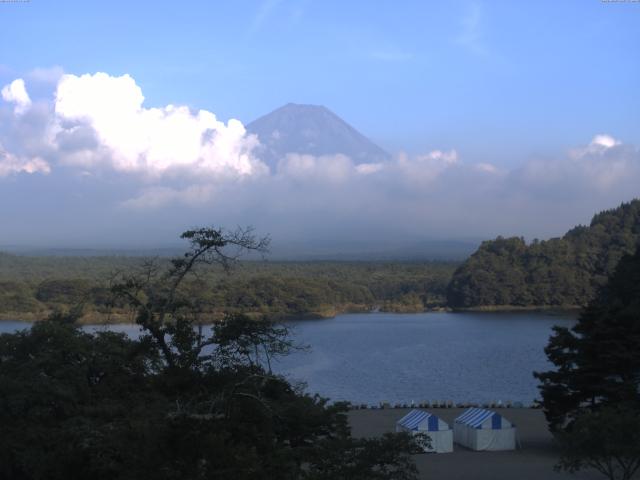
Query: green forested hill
{"points": [[32, 287], [557, 272]]}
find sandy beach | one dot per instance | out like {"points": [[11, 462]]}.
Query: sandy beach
{"points": [[534, 460]]}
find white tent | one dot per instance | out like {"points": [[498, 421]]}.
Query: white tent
{"points": [[480, 429], [439, 432]]}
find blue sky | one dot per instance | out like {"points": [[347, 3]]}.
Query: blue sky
{"points": [[518, 90], [498, 78]]}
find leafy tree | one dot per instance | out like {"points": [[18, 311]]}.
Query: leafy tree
{"points": [[242, 341], [607, 440], [180, 402], [349, 460], [66, 398]]}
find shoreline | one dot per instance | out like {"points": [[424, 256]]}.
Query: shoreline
{"points": [[119, 318], [517, 308]]}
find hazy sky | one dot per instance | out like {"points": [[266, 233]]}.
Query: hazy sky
{"points": [[503, 117]]}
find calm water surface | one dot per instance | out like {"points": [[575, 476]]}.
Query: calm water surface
{"points": [[373, 357]]}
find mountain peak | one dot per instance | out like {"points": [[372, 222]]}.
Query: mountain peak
{"points": [[314, 130], [302, 107]]}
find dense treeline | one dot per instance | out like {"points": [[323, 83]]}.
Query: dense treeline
{"points": [[563, 271], [32, 287]]}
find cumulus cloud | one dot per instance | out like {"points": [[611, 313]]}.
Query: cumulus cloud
{"points": [[369, 168], [606, 162], [604, 141], [12, 164], [603, 165], [16, 93], [598, 145], [97, 122], [426, 168], [325, 168], [132, 161], [336, 169], [150, 140]]}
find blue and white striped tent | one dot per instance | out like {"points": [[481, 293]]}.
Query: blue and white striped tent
{"points": [[481, 418], [480, 429], [438, 431]]}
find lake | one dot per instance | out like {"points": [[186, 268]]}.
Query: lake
{"points": [[374, 357]]}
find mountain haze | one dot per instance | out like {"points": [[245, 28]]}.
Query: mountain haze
{"points": [[313, 130]]}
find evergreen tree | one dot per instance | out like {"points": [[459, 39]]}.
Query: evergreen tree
{"points": [[598, 360], [592, 398]]}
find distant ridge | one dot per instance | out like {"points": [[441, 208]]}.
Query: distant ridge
{"points": [[35, 251], [314, 130], [409, 251]]}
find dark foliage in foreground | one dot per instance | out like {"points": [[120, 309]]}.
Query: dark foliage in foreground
{"points": [[607, 440], [565, 271], [175, 403], [592, 398]]}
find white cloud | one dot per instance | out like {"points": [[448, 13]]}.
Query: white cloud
{"points": [[16, 93], [426, 168], [605, 141], [607, 162], [369, 168], [599, 144], [326, 168], [10, 164], [151, 140], [604, 165]]}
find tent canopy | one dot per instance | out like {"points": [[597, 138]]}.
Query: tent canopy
{"points": [[419, 420], [483, 419]]}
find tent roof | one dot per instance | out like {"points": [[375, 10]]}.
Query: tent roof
{"points": [[475, 417], [415, 418]]}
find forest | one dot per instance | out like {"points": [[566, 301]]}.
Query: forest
{"points": [[33, 287], [560, 272], [504, 273]]}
